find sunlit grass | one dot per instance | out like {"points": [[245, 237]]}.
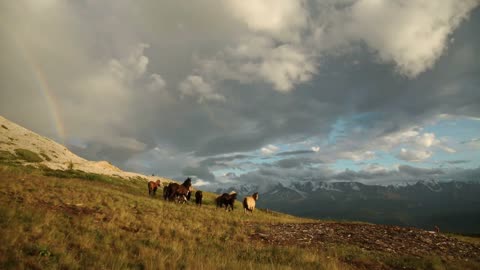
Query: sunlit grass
{"points": [[76, 220]]}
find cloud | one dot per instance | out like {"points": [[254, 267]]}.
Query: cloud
{"points": [[194, 85], [281, 19], [260, 59], [475, 142], [221, 159], [266, 178], [411, 34], [296, 152], [293, 163], [459, 161], [125, 79], [357, 156], [418, 172], [413, 155], [426, 139], [199, 172], [269, 149]]}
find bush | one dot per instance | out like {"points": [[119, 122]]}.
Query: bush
{"points": [[6, 156], [28, 155]]}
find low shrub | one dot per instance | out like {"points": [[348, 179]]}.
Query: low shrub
{"points": [[28, 155]]}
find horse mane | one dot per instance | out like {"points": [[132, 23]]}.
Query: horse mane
{"points": [[187, 183]]}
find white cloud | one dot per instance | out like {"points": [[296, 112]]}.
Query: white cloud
{"points": [[201, 182], [447, 149], [260, 59], [194, 85], [285, 66], [357, 155], [157, 83], [284, 42], [269, 149], [375, 168], [411, 34], [281, 19], [397, 138], [414, 155], [426, 139]]}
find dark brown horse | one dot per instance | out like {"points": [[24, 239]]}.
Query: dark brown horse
{"points": [[226, 200], [152, 187], [198, 197], [175, 191]]}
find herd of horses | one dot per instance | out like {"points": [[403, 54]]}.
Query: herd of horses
{"points": [[181, 193]]}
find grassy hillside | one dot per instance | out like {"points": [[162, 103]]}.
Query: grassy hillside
{"points": [[74, 220]]}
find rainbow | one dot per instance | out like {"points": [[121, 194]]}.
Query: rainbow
{"points": [[45, 91]]}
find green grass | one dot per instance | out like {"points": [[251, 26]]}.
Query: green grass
{"points": [[27, 155], [6, 156], [53, 219]]}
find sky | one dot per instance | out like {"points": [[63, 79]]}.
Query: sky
{"points": [[245, 91]]}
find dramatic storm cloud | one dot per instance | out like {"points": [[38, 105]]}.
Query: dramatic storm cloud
{"points": [[250, 91]]}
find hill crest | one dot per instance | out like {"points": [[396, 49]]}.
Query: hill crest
{"points": [[53, 155]]}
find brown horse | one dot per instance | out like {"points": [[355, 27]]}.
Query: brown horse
{"points": [[152, 187], [198, 197], [227, 200], [175, 191]]}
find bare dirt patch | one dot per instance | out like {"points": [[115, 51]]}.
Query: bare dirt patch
{"points": [[392, 239]]}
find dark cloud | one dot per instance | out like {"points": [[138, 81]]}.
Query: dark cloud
{"points": [[415, 171], [199, 172], [458, 161], [267, 177], [104, 85], [221, 160], [297, 152]]}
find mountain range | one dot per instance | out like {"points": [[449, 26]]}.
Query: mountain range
{"points": [[451, 206]]}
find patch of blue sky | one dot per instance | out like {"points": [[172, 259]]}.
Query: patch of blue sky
{"points": [[344, 125], [458, 132], [457, 129], [337, 131], [469, 159], [382, 158]]}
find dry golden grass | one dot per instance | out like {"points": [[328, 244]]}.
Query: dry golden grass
{"points": [[76, 220], [49, 222]]}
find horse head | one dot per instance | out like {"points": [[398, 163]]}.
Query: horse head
{"points": [[188, 182]]}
